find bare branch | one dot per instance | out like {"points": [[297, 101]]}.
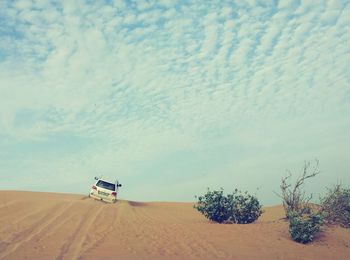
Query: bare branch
{"points": [[294, 198]]}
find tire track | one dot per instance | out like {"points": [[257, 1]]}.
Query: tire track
{"points": [[6, 210], [124, 231], [23, 217], [6, 204], [28, 234], [73, 248], [109, 216]]}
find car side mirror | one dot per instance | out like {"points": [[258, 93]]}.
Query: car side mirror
{"points": [[119, 185], [96, 178]]}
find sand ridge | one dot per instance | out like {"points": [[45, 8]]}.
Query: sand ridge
{"points": [[36, 225]]}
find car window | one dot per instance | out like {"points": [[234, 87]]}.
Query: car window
{"points": [[105, 185]]}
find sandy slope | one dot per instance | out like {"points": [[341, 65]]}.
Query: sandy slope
{"points": [[61, 226]]}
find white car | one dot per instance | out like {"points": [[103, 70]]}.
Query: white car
{"points": [[104, 190]]}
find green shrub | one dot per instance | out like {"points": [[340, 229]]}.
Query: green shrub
{"points": [[304, 227], [214, 205], [245, 207], [336, 206], [237, 207]]}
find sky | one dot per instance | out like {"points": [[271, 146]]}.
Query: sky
{"points": [[172, 97]]}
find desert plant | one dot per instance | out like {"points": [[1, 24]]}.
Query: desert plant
{"points": [[237, 207], [336, 206], [214, 205], [294, 198], [245, 207], [304, 227]]}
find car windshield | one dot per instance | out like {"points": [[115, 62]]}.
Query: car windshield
{"points": [[105, 185]]}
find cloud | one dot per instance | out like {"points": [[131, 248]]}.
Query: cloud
{"points": [[141, 84]]}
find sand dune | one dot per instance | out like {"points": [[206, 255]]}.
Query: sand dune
{"points": [[62, 226]]}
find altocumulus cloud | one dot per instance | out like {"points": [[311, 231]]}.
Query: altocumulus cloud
{"points": [[172, 96]]}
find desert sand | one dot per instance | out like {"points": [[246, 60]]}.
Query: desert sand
{"points": [[36, 225]]}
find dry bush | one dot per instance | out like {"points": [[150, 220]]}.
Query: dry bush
{"points": [[336, 206], [293, 196]]}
